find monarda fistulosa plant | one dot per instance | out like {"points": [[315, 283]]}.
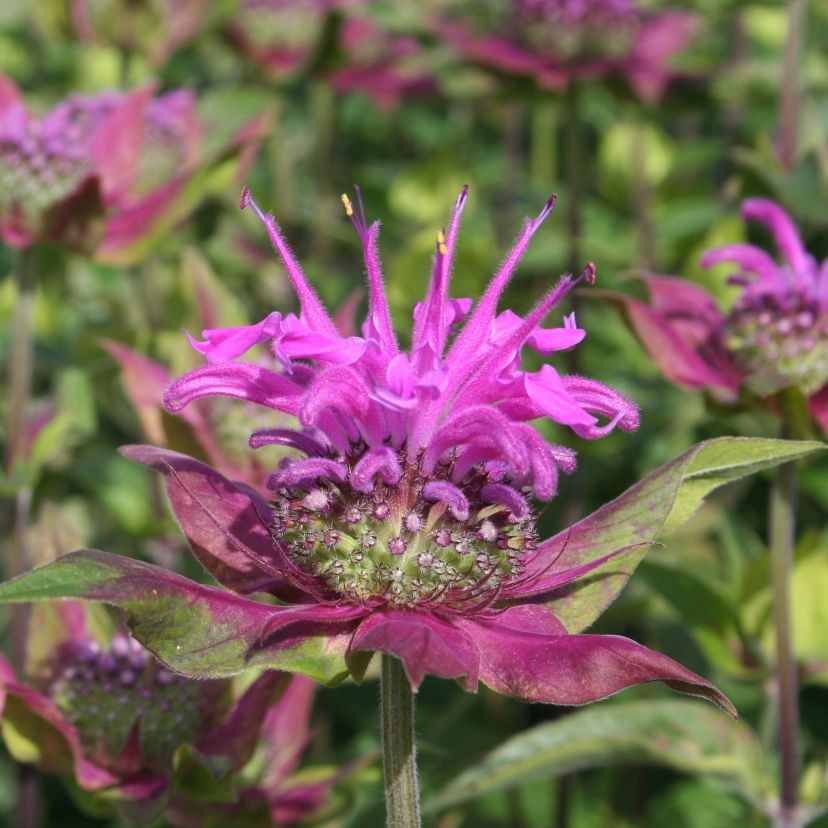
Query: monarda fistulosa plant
{"points": [[405, 522]]}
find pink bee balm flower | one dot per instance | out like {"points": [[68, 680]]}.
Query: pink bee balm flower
{"points": [[115, 719], [774, 337], [404, 523], [98, 173], [556, 41]]}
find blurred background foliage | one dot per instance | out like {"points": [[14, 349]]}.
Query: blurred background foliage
{"points": [[642, 186]]}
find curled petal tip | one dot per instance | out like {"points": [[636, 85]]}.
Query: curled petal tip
{"points": [[245, 198]]}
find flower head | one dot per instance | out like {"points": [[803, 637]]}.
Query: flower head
{"points": [[98, 173], [116, 719], [775, 335], [557, 41], [418, 466]]}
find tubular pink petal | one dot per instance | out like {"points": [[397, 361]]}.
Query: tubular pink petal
{"points": [[305, 471], [548, 391], [287, 437], [380, 462], [313, 310], [508, 496], [444, 492], [600, 399], [819, 408], [566, 458], [749, 259], [478, 425], [430, 324], [241, 380], [224, 344], [544, 467], [477, 327], [468, 378], [339, 389], [783, 230], [379, 314]]}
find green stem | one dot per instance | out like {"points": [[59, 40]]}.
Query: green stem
{"points": [[782, 529], [20, 360], [790, 86], [399, 755]]}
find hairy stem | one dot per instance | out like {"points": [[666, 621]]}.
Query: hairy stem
{"points": [[790, 86], [781, 529], [399, 755]]}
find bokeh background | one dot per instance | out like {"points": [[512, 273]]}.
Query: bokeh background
{"points": [[388, 96]]}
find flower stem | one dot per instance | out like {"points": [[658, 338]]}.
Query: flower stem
{"points": [[790, 85], [20, 360], [781, 529], [399, 754]]}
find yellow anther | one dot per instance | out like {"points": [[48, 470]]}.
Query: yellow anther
{"points": [[441, 243], [349, 208]]}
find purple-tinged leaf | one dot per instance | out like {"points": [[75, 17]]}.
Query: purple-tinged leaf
{"points": [[196, 630], [657, 504]]}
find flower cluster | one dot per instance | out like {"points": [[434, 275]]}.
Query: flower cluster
{"points": [[774, 337], [558, 41], [121, 725]]}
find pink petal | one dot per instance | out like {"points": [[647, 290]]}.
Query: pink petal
{"points": [[13, 116], [222, 344], [424, 643], [546, 390], [241, 380], [783, 229]]}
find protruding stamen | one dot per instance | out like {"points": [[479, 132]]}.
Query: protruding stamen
{"points": [[441, 243], [349, 207]]}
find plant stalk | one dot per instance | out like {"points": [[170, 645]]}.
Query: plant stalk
{"points": [[782, 531], [789, 94], [20, 356], [399, 753]]}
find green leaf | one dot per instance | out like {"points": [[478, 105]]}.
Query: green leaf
{"points": [[197, 630], [681, 735], [655, 506]]}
